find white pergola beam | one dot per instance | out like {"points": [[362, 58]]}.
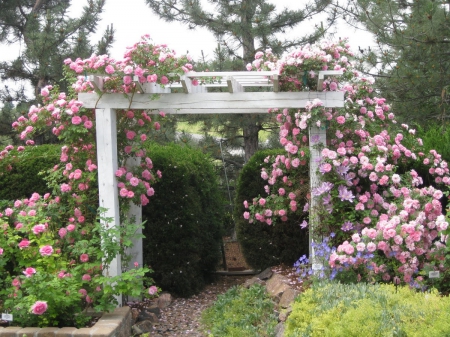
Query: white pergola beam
{"points": [[233, 85], [212, 101]]}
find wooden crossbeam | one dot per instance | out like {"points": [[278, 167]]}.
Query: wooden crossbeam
{"points": [[212, 101]]}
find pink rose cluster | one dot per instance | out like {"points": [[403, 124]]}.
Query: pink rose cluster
{"points": [[395, 217], [158, 66]]}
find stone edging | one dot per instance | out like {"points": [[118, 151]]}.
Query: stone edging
{"points": [[113, 324], [280, 291]]}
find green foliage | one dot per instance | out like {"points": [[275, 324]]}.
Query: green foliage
{"points": [[74, 267], [47, 33], [241, 312], [335, 309], [184, 218], [436, 137], [410, 58], [247, 26], [263, 245], [19, 171]]}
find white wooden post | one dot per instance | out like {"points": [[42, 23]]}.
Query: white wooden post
{"points": [[317, 137], [135, 213], [107, 184]]}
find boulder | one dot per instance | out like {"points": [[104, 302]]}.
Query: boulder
{"points": [[252, 281], [277, 285], [288, 297], [265, 274], [164, 300], [142, 327]]}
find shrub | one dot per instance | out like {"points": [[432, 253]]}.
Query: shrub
{"points": [[241, 312], [360, 309], [262, 245], [19, 171], [183, 229]]}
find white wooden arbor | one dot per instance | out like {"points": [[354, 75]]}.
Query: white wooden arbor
{"points": [[192, 100]]}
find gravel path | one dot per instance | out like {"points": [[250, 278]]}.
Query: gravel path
{"points": [[182, 317]]}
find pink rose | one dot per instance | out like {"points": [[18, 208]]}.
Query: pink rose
{"points": [[84, 258], [131, 134], [39, 307], [86, 277], [29, 272], [39, 229], [109, 69], [24, 243], [76, 120], [134, 181], [152, 290], [46, 250]]}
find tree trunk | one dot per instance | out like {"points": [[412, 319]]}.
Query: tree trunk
{"points": [[250, 131], [250, 128]]}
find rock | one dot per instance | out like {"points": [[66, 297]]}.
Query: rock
{"points": [[288, 297], [279, 330], [134, 314], [252, 281], [147, 316], [142, 327], [277, 285], [164, 300], [282, 317], [155, 309], [265, 274]]}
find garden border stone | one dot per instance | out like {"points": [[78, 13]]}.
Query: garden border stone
{"points": [[112, 324]]}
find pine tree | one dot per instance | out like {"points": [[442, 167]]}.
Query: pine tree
{"points": [[48, 35], [411, 59], [249, 25]]}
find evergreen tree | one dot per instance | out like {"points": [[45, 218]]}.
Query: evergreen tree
{"points": [[411, 59], [249, 25], [48, 35]]}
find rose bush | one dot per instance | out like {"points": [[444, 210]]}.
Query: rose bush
{"points": [[57, 241], [384, 222]]}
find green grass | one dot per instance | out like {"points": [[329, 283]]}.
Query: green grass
{"points": [[197, 129], [241, 312]]}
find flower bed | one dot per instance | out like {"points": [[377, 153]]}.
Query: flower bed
{"points": [[117, 324]]}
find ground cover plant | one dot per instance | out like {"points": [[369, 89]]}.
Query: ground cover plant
{"points": [[60, 240], [246, 312], [334, 309], [379, 224]]}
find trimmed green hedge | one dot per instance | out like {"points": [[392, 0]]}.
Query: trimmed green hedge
{"points": [[263, 245], [19, 171], [184, 220]]}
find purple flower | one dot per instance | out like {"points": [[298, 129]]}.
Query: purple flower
{"points": [[345, 194], [306, 207], [347, 226], [304, 224], [324, 188], [327, 199], [341, 170]]}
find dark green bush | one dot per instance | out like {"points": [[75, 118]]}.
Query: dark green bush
{"points": [[184, 217], [262, 245], [19, 171]]}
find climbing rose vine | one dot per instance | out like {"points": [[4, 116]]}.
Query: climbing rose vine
{"points": [[372, 202], [56, 241]]}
